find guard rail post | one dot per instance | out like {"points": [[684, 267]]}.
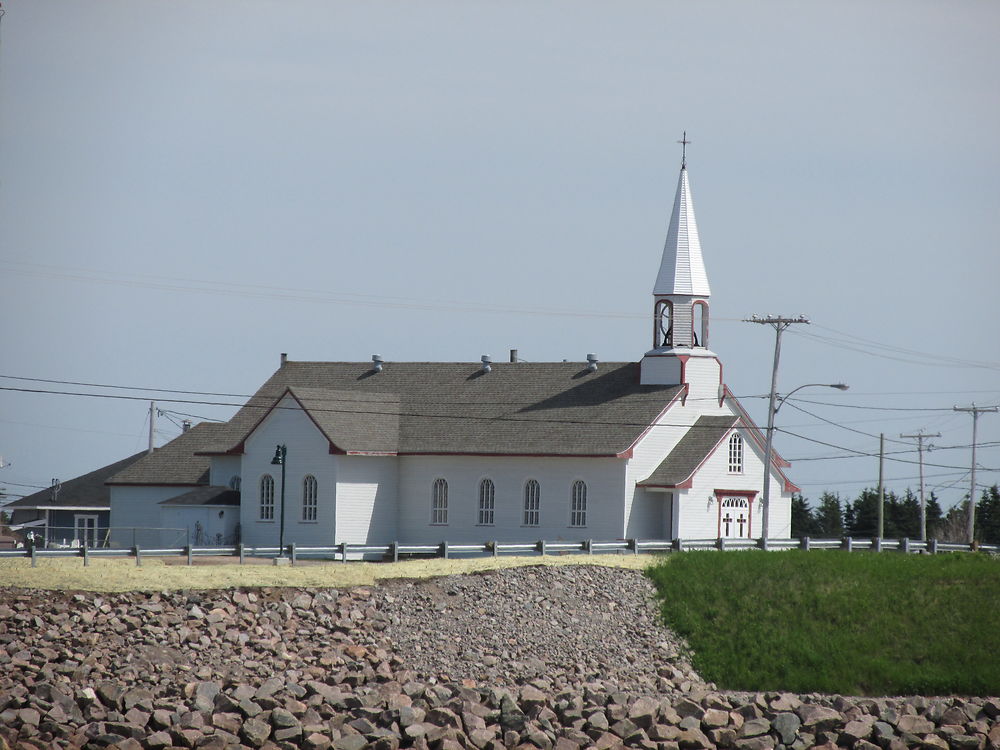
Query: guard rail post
{"points": [[190, 554], [541, 547], [633, 544], [877, 544], [720, 543], [394, 550], [293, 553], [804, 542], [496, 548], [848, 543], [904, 545], [241, 552], [86, 555], [444, 550], [34, 555], [933, 546], [590, 546], [138, 556], [343, 552]]}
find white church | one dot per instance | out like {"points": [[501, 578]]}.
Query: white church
{"points": [[425, 452]]}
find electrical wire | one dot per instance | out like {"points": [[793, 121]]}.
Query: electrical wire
{"points": [[873, 455]]}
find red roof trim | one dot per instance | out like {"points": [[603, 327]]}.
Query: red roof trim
{"points": [[758, 436]]}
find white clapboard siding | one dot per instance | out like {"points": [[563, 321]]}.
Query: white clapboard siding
{"points": [[308, 453], [604, 477], [367, 492]]}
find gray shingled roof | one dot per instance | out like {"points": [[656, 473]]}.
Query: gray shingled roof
{"points": [[174, 463], [697, 443], [206, 496], [552, 408], [86, 491]]}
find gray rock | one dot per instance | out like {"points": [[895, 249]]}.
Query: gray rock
{"points": [[786, 724]]}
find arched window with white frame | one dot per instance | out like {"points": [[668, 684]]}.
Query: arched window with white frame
{"points": [[532, 502], [578, 507], [487, 502], [266, 498], [439, 502], [736, 453], [310, 499]]}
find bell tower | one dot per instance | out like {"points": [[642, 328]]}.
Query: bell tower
{"points": [[680, 296]]}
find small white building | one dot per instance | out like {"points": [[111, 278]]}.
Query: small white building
{"points": [[423, 452]]}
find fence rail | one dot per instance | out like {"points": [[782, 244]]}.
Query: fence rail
{"points": [[395, 550]]}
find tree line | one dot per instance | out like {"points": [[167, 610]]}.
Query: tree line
{"points": [[834, 518]]}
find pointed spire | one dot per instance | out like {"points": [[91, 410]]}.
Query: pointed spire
{"points": [[682, 270]]}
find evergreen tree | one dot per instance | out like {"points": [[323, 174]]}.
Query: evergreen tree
{"points": [[829, 517], [988, 516], [864, 514], [902, 516], [803, 521], [934, 517]]}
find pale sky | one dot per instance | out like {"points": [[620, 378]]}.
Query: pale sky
{"points": [[188, 189]]}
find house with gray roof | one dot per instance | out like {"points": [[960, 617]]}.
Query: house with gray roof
{"points": [[423, 452], [71, 512]]}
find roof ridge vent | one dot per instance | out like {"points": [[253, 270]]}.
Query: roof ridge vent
{"points": [[486, 360], [377, 362], [592, 362]]}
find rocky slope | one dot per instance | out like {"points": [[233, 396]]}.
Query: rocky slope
{"points": [[532, 657]]}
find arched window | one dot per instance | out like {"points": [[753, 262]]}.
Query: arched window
{"points": [[439, 502], [266, 498], [234, 482], [486, 502], [310, 498], [578, 508], [699, 323], [663, 324], [532, 502], [735, 454]]}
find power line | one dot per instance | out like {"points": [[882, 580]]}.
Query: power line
{"points": [[868, 454]]}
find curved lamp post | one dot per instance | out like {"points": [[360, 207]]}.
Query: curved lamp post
{"points": [[772, 409], [279, 460]]}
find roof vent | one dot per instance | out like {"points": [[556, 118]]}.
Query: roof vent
{"points": [[592, 362], [486, 363], [377, 362]]}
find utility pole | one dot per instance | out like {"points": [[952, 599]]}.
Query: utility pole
{"points": [[920, 436], [881, 485], [152, 424], [779, 324], [975, 411]]}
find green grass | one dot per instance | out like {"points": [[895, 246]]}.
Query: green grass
{"points": [[837, 622]]}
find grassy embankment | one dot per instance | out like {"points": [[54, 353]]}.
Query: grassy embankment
{"points": [[848, 623], [69, 574]]}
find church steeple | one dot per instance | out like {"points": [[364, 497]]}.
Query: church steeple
{"points": [[681, 291]]}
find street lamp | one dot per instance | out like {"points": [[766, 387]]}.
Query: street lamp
{"points": [[279, 460], [774, 405]]}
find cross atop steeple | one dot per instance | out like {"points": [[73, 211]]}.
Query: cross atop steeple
{"points": [[684, 148]]}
